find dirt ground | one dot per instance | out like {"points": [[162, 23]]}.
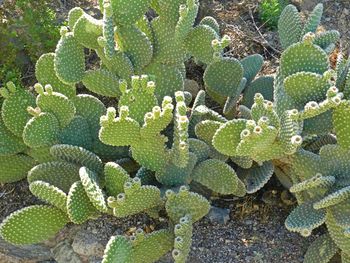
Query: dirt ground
{"points": [[255, 232]]}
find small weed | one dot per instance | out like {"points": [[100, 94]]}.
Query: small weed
{"points": [[270, 11]]}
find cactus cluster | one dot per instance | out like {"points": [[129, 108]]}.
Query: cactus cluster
{"points": [[159, 151]]}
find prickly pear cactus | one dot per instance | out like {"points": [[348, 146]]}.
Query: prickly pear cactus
{"points": [[127, 42], [152, 151]]}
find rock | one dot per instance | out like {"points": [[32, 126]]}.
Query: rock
{"points": [[218, 215], [24, 254], [64, 253], [346, 11], [308, 4], [87, 244]]}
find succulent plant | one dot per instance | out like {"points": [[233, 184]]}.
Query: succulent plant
{"points": [[160, 151]]}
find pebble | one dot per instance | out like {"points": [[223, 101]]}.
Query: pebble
{"points": [[87, 244], [218, 215]]}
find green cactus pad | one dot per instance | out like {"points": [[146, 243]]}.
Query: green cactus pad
{"points": [[262, 85], [41, 154], [57, 173], [334, 198], [57, 104], [225, 180], [69, 60], [252, 65], [107, 152], [257, 176], [77, 133], [91, 109], [10, 144], [102, 82], [206, 130], [305, 218], [297, 59], [186, 203], [92, 188], [231, 102], [146, 176], [168, 79], [306, 164], [79, 207], [41, 130], [139, 101], [15, 107], [289, 26], [199, 148], [119, 64], [174, 175], [135, 45], [303, 87], [314, 182], [228, 136], [314, 20], [77, 155], [183, 239], [199, 43], [341, 122], [211, 21], [87, 30], [115, 178], [135, 199], [145, 26], [73, 16], [129, 13], [188, 14], [244, 162], [168, 49], [327, 39], [337, 234], [118, 249], [50, 194], [335, 161], [169, 9], [14, 167], [32, 224], [45, 74], [224, 76], [122, 131], [321, 250], [341, 214], [159, 242], [321, 124], [345, 258]]}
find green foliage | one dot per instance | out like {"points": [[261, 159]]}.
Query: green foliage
{"points": [[154, 150], [28, 29], [270, 11]]}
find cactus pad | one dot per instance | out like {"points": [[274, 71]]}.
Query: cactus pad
{"points": [[217, 176], [14, 167], [32, 224]]}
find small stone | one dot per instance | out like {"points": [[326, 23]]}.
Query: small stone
{"points": [[64, 253], [346, 11], [87, 244], [33, 253], [218, 215]]}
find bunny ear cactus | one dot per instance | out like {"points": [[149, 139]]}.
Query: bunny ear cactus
{"points": [[323, 198], [140, 247], [172, 166], [128, 43], [291, 29]]}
